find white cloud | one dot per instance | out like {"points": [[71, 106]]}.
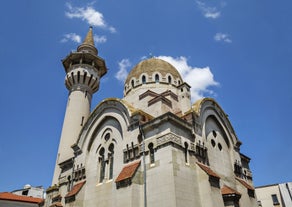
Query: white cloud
{"points": [[200, 79], [122, 74], [208, 12], [222, 37], [72, 37], [90, 15], [99, 39]]}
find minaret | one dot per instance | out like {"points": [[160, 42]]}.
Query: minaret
{"points": [[83, 68]]}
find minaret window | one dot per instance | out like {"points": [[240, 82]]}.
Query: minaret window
{"points": [[151, 152], [78, 77], [72, 74], [143, 79], [156, 78], [84, 77], [90, 79], [101, 164]]}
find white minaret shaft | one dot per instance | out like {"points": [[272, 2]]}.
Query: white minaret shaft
{"points": [[83, 71]]}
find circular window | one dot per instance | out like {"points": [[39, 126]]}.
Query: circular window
{"points": [[150, 146], [214, 133], [213, 142], [219, 146], [107, 136]]}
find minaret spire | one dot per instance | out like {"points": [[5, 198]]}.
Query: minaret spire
{"points": [[89, 37], [88, 43]]}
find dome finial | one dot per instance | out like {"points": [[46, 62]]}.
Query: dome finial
{"points": [[88, 43]]}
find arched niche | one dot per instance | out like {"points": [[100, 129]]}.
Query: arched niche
{"points": [[212, 125], [108, 125]]}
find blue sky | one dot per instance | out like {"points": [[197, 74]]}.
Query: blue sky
{"points": [[236, 51]]}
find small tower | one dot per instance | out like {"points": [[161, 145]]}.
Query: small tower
{"points": [[83, 68]]}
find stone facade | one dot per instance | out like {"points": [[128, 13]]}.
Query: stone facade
{"points": [[152, 148]]}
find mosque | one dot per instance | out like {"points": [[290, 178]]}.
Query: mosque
{"points": [[151, 148]]}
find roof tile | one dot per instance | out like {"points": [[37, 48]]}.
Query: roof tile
{"points": [[14, 197], [128, 171], [225, 190], [208, 170], [245, 184], [57, 204], [76, 188]]}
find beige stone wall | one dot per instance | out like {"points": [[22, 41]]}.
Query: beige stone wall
{"points": [[264, 195]]}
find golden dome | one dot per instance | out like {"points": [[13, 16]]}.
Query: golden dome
{"points": [[151, 66]]}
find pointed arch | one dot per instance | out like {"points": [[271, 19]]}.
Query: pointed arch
{"points": [[111, 112], [206, 107]]}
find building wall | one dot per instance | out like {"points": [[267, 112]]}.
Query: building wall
{"points": [[264, 196], [286, 193], [36, 192], [4, 203], [283, 192]]}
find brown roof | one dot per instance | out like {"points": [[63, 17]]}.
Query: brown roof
{"points": [[57, 204], [76, 188], [245, 184], [208, 170], [225, 190], [128, 171], [14, 197]]}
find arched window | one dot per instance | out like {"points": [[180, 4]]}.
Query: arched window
{"points": [[186, 152], [132, 83], [143, 79], [101, 164], [151, 152], [157, 78], [111, 160], [69, 183], [169, 79]]}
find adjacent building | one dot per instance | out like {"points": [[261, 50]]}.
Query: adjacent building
{"points": [[152, 148], [31, 191], [275, 195], [13, 200]]}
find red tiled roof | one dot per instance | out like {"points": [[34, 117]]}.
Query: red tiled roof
{"points": [[225, 190], [208, 170], [57, 204], [245, 184], [76, 188], [14, 197], [128, 171]]}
